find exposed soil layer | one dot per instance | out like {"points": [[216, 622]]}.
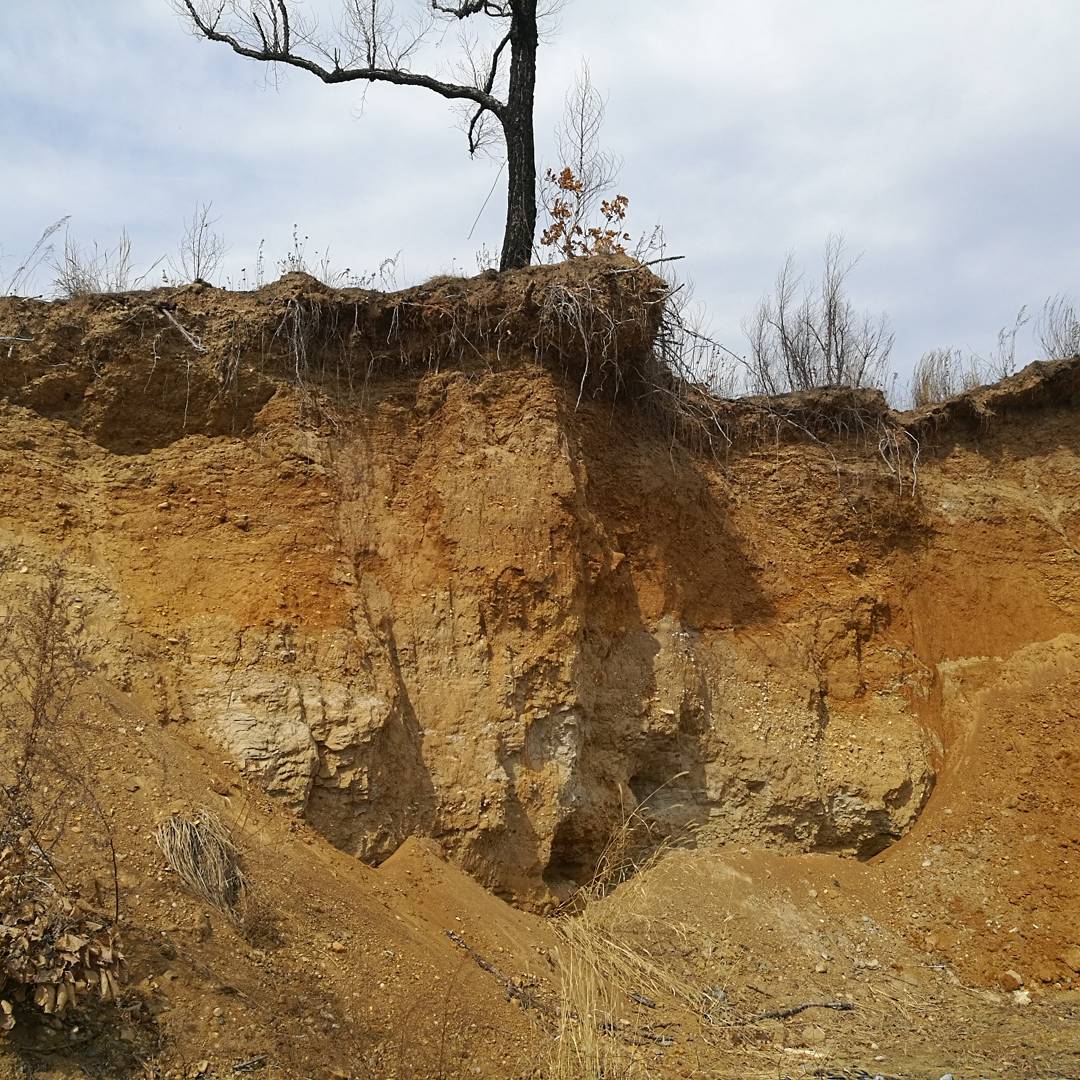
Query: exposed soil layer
{"points": [[428, 582]]}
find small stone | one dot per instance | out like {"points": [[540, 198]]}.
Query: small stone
{"points": [[1011, 980], [166, 505], [1021, 997], [821, 969], [814, 1035], [337, 946]]}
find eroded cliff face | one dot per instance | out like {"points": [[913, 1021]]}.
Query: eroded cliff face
{"points": [[479, 605]]}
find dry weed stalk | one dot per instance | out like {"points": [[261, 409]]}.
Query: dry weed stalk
{"points": [[40, 253], [201, 851]]}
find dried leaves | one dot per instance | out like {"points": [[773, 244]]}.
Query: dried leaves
{"points": [[54, 949], [568, 233]]}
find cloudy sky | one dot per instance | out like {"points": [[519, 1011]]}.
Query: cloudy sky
{"points": [[941, 137]]}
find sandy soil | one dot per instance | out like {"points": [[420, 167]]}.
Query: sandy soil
{"points": [[424, 645]]}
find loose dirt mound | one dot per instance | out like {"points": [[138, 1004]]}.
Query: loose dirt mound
{"points": [[433, 565]]}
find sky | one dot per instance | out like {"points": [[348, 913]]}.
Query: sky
{"points": [[940, 137]]}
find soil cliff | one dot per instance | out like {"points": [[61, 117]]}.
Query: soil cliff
{"points": [[462, 574]]}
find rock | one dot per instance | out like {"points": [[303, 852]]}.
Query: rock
{"points": [[337, 946], [814, 1035], [1021, 997], [1070, 957], [1011, 980]]}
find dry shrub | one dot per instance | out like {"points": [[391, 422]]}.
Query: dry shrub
{"points": [[201, 851], [54, 950], [804, 338], [568, 233]]}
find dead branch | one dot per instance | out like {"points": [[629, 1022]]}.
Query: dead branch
{"points": [[794, 1010]]}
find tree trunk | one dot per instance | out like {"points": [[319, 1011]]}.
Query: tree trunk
{"points": [[517, 123]]}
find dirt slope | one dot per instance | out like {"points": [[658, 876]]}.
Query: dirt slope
{"points": [[359, 568]]}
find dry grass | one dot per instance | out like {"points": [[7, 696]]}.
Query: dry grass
{"points": [[941, 374], [610, 988], [1058, 328], [201, 851]]}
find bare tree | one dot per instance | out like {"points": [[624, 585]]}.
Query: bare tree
{"points": [[201, 248], [800, 339], [374, 45], [1058, 328]]}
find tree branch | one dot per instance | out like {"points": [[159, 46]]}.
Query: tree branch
{"points": [[466, 8], [275, 47]]}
